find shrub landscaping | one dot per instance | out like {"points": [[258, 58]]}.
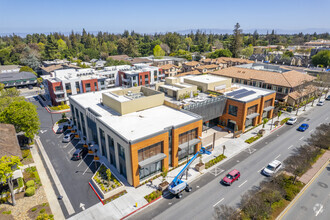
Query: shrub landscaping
{"points": [[104, 178], [62, 120], [30, 191], [114, 197], [59, 107], [253, 139], [154, 195], [31, 173], [27, 156], [214, 161], [40, 212], [284, 121]]}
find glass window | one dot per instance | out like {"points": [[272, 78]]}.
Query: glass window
{"points": [[67, 86], [121, 152], [232, 110], [252, 109], [268, 103], [188, 135], [150, 151], [95, 84]]}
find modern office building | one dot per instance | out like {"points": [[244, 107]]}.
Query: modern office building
{"points": [[134, 131]]}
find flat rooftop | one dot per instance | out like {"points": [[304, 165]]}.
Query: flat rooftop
{"points": [[207, 78], [246, 93], [136, 125]]}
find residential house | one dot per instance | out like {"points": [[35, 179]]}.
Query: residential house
{"points": [[190, 66]]}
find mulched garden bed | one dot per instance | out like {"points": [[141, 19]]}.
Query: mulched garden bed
{"points": [[42, 209]]}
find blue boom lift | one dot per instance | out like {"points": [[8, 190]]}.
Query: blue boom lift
{"points": [[178, 185]]}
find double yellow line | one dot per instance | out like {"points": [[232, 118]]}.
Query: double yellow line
{"points": [[302, 192]]}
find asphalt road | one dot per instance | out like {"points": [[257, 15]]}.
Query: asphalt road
{"points": [[314, 202], [73, 175], [207, 190]]}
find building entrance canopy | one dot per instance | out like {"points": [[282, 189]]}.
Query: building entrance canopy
{"points": [[191, 143], [267, 109], [152, 159], [252, 116]]}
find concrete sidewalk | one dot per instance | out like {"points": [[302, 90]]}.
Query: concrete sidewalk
{"points": [[125, 204], [306, 177]]}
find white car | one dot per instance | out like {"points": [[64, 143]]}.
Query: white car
{"points": [[272, 168], [291, 121], [67, 138], [320, 103]]}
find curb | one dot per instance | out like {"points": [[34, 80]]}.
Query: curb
{"points": [[302, 191], [141, 208], [96, 193]]}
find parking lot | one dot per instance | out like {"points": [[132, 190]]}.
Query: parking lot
{"points": [[73, 175]]}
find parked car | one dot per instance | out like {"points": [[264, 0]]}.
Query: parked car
{"points": [[272, 168], [291, 121], [30, 87], [68, 137], [320, 103], [303, 127], [78, 154], [328, 98], [231, 177], [60, 130]]}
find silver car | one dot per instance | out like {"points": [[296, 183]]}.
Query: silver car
{"points": [[67, 138], [272, 168], [320, 103], [291, 121]]}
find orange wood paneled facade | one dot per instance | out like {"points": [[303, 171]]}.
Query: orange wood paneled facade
{"points": [[240, 119], [162, 138]]}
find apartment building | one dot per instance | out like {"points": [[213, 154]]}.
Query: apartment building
{"points": [[140, 75], [283, 81], [63, 83], [134, 132], [169, 70]]}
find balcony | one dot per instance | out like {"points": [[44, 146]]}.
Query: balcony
{"points": [[125, 80], [161, 75], [56, 92], [62, 99]]}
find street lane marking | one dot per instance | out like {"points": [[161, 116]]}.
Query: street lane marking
{"points": [[242, 184], [301, 138], [277, 156], [260, 170], [290, 146], [318, 208], [218, 202]]}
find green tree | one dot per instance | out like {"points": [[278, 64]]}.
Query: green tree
{"points": [[322, 58], [51, 48], [7, 166], [23, 115], [158, 51], [288, 53], [248, 51], [220, 53], [30, 57], [61, 45], [27, 69], [237, 41]]}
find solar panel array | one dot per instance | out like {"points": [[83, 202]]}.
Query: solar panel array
{"points": [[241, 95], [237, 92]]}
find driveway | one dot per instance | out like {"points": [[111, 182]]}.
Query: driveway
{"points": [[73, 175]]}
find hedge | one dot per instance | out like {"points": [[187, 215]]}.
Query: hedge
{"points": [[214, 161], [284, 121], [59, 107], [154, 195], [30, 191], [253, 139]]}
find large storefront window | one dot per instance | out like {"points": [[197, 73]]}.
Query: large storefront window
{"points": [[102, 137], [112, 151], [150, 169], [183, 153], [150, 151], [92, 130], [268, 103], [187, 136], [122, 162], [252, 109], [232, 110]]}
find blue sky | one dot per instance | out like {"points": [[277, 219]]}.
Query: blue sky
{"points": [[160, 15]]}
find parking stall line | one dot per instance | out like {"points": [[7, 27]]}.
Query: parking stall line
{"points": [[311, 131], [87, 168], [67, 145], [277, 156], [290, 146], [260, 170], [301, 138], [82, 160], [242, 184]]}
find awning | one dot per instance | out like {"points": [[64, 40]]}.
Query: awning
{"points": [[191, 143], [252, 116], [152, 159], [267, 109]]}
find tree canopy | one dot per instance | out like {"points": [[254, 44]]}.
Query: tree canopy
{"points": [[158, 51], [322, 58]]}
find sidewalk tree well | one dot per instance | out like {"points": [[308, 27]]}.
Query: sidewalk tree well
{"points": [[7, 166], [23, 115]]}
